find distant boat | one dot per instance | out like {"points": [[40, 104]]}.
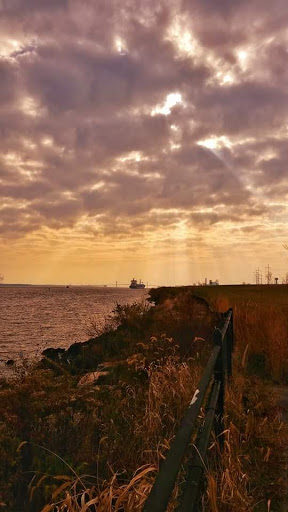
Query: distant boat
{"points": [[135, 285]]}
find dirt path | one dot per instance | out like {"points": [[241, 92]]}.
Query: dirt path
{"points": [[281, 397]]}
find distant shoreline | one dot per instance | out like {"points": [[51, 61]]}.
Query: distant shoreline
{"points": [[27, 285]]}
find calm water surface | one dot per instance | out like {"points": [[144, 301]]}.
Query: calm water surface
{"points": [[34, 318]]}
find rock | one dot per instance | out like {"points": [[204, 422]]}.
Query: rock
{"points": [[91, 378], [53, 353]]}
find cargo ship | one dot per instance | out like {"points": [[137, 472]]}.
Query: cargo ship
{"points": [[135, 285]]}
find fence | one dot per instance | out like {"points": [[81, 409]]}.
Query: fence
{"points": [[218, 368]]}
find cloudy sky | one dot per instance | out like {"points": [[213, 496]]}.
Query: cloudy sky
{"points": [[144, 139]]}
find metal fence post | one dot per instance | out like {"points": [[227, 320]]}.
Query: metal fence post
{"points": [[219, 375]]}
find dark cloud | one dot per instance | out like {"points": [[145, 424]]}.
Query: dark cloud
{"points": [[8, 80], [273, 170], [22, 6]]}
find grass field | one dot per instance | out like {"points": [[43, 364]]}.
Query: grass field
{"points": [[274, 295], [261, 325], [260, 318]]}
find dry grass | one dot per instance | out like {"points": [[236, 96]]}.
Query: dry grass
{"points": [[122, 431], [220, 304], [246, 478], [249, 473], [110, 497], [262, 331], [151, 429]]}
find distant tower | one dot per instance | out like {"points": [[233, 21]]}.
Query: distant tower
{"points": [[276, 280], [258, 276], [268, 274]]}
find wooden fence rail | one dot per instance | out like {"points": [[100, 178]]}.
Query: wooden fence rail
{"points": [[218, 368]]}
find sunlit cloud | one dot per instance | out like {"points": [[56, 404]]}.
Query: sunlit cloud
{"points": [[29, 106], [98, 186], [243, 58], [215, 142], [172, 99], [183, 38], [120, 46], [8, 46], [225, 78], [133, 156], [47, 141], [188, 45]]}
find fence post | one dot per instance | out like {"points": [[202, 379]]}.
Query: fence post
{"points": [[232, 329], [229, 344], [22, 502], [219, 375]]}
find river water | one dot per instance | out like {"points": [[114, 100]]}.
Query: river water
{"points": [[33, 318]]}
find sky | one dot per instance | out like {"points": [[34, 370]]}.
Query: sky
{"points": [[143, 139]]}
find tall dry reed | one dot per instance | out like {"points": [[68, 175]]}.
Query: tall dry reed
{"points": [[262, 331]]}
